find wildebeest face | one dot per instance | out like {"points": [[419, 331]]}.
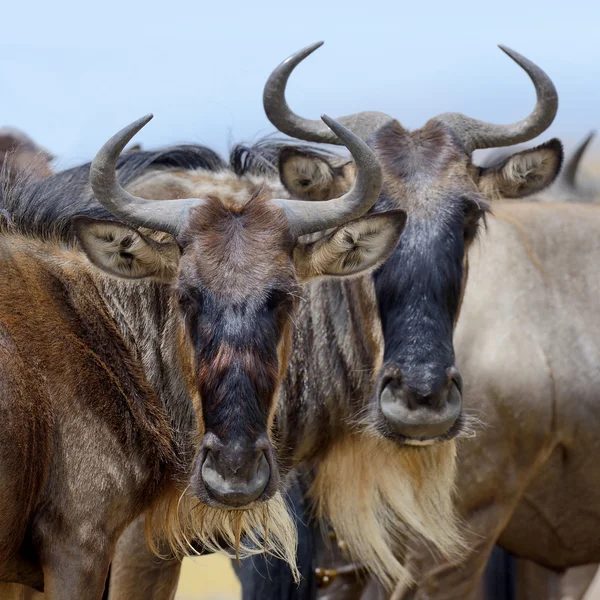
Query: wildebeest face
{"points": [[234, 269], [237, 289], [429, 174]]}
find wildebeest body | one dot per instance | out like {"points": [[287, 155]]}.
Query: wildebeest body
{"points": [[93, 400], [528, 343]]}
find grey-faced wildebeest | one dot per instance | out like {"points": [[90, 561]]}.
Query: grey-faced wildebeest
{"points": [[150, 383], [362, 467]]}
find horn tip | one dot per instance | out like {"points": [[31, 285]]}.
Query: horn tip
{"points": [[139, 124], [508, 51], [310, 49], [332, 124], [296, 58]]}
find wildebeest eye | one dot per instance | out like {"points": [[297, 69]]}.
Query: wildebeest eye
{"points": [[188, 301]]}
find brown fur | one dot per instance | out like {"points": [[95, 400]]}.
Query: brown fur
{"points": [[242, 249], [64, 351]]}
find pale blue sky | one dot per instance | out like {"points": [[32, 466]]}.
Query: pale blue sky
{"points": [[72, 73]]}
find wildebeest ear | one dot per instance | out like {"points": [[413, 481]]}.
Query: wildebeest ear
{"points": [[352, 249], [124, 252], [523, 173], [308, 176]]}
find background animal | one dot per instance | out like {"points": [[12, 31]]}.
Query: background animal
{"points": [[18, 153]]}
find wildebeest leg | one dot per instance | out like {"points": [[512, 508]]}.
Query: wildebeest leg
{"points": [[137, 572], [446, 580], [75, 553], [500, 576], [15, 591], [576, 581], [73, 571], [535, 581]]}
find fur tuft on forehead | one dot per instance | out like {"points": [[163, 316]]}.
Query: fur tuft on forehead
{"points": [[241, 249]]}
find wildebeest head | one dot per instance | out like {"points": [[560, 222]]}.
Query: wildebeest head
{"points": [[234, 261], [429, 173]]}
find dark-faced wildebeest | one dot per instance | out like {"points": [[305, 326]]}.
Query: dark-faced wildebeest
{"points": [[529, 480], [152, 384], [528, 345], [360, 481]]}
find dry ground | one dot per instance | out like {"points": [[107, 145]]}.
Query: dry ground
{"points": [[211, 578]]}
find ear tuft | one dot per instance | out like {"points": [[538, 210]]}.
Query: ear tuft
{"points": [[123, 252], [523, 173], [352, 249]]}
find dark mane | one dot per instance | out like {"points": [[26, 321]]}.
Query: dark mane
{"points": [[44, 208]]}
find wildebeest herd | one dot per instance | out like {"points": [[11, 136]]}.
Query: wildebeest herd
{"points": [[355, 374]]}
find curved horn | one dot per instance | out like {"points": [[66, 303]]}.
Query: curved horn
{"points": [[308, 217], [363, 124], [569, 173], [480, 134], [163, 215]]}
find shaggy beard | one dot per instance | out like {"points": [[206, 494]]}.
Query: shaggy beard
{"points": [[185, 524], [377, 495]]}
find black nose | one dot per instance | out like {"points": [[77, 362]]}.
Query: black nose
{"points": [[235, 476], [420, 415]]}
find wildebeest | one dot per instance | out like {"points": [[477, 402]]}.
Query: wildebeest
{"points": [[529, 479], [18, 152], [151, 383], [528, 345], [360, 466]]}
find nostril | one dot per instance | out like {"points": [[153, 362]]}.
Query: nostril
{"points": [[393, 385]]}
